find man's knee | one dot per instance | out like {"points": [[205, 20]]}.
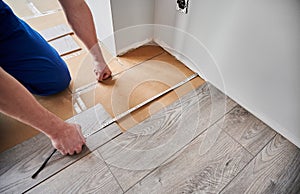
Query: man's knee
{"points": [[56, 82], [42, 77], [61, 82]]}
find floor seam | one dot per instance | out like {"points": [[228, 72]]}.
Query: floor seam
{"points": [[60, 170], [108, 167], [181, 149], [254, 156], [236, 141]]}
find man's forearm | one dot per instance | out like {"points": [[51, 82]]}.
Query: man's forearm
{"points": [[18, 103], [81, 20]]}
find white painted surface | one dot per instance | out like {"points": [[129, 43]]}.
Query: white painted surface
{"points": [[102, 15], [256, 45], [123, 25], [130, 19]]}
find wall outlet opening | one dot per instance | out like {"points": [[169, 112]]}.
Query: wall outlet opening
{"points": [[182, 6]]}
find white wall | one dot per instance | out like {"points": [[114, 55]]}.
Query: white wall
{"points": [[256, 46], [123, 25], [130, 19], [102, 15]]}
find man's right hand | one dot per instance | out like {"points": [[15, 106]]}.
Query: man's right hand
{"points": [[69, 139]]}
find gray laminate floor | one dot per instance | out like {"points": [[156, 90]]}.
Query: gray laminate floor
{"points": [[203, 143]]}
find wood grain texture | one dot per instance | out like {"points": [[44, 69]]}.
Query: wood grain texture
{"points": [[199, 168], [88, 175], [245, 128], [276, 169], [144, 147], [19, 163]]}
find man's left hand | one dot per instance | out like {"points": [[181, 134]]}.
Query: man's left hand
{"points": [[102, 73]]}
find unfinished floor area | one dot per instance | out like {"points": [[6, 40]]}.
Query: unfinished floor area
{"points": [[194, 139]]}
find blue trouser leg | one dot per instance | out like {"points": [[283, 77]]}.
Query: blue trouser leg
{"points": [[31, 60]]}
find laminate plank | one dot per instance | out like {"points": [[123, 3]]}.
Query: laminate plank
{"points": [[201, 167], [56, 32], [88, 175], [65, 45], [19, 163], [245, 128], [147, 145], [47, 21], [58, 18], [276, 169], [46, 6], [20, 8]]}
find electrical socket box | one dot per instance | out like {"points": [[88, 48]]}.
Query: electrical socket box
{"points": [[182, 6]]}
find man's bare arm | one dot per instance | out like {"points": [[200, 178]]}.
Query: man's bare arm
{"points": [[17, 102], [81, 20]]}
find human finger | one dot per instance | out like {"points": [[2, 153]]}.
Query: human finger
{"points": [[99, 76], [63, 152], [78, 127], [106, 75], [78, 149]]}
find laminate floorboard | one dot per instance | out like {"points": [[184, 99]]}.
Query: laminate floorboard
{"points": [[246, 129], [65, 45], [144, 147], [21, 9], [19, 163], [46, 6], [276, 169], [198, 168], [56, 32], [88, 175]]}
